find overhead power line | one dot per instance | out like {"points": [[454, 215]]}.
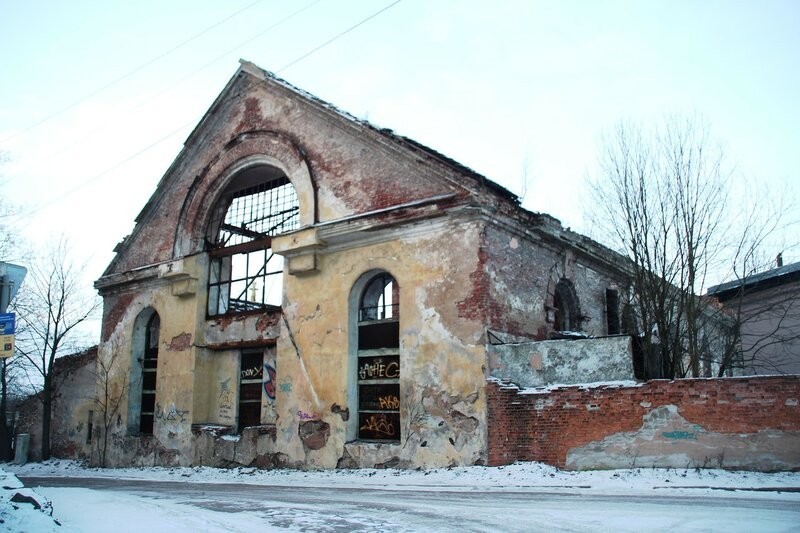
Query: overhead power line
{"points": [[329, 41], [193, 121], [111, 120], [127, 75]]}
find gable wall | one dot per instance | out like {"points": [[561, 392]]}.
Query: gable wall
{"points": [[352, 168]]}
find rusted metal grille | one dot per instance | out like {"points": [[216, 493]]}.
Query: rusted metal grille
{"points": [[244, 274], [263, 210]]}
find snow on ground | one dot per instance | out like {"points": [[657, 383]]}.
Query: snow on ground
{"points": [[531, 476], [18, 507], [72, 505]]}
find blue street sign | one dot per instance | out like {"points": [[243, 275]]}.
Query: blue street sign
{"points": [[6, 334], [7, 322]]}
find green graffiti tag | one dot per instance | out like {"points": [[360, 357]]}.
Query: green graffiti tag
{"points": [[680, 435]]}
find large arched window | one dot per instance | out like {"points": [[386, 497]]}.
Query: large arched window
{"points": [[378, 359], [143, 376], [245, 275]]}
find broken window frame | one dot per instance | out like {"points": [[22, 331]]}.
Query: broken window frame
{"points": [[251, 377], [378, 361], [244, 274], [257, 290], [149, 375]]}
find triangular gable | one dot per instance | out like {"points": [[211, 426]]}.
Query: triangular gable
{"points": [[257, 107]]}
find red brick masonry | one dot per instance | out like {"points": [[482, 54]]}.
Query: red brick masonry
{"points": [[544, 426]]}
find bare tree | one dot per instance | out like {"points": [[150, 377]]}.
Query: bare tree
{"points": [[11, 374], [51, 308], [112, 389], [661, 196], [766, 337]]}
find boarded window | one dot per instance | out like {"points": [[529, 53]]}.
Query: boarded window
{"points": [[251, 375], [378, 372]]}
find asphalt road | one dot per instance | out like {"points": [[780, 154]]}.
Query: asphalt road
{"points": [[437, 509]]}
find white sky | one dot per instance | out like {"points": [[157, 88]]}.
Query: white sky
{"points": [[498, 86]]}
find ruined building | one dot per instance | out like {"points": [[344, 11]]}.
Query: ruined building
{"points": [[305, 289]]}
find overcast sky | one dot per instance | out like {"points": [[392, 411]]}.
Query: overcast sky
{"points": [[96, 98]]}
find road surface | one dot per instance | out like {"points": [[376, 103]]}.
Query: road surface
{"points": [[433, 508]]}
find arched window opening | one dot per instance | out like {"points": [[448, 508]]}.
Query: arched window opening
{"points": [[378, 360], [379, 301], [149, 375], [245, 275], [567, 308]]}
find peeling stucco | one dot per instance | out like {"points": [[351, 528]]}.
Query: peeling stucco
{"points": [[667, 440], [533, 364]]}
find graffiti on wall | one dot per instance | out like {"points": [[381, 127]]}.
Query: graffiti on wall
{"points": [[380, 426], [269, 381], [170, 415], [225, 400], [286, 386]]}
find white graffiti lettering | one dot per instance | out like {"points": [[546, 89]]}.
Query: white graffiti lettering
{"points": [[379, 371]]}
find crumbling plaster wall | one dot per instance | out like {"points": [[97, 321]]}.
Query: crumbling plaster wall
{"points": [[73, 402], [523, 268], [178, 312], [540, 363], [74, 378], [441, 354]]}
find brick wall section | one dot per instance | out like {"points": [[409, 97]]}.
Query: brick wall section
{"points": [[545, 426]]}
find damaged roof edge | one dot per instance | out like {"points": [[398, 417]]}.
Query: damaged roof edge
{"points": [[406, 142], [153, 199]]}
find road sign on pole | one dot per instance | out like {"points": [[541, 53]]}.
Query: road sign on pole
{"points": [[7, 328], [11, 277]]}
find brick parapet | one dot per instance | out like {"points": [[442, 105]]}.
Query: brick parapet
{"points": [[545, 425]]}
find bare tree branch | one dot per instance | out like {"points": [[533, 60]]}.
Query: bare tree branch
{"points": [[51, 306]]}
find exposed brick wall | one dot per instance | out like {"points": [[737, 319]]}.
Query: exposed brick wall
{"points": [[545, 426]]}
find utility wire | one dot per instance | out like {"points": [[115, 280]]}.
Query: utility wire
{"points": [[127, 75], [329, 41], [190, 75], [193, 121]]}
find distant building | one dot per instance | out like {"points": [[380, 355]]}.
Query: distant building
{"points": [[74, 418], [767, 307]]}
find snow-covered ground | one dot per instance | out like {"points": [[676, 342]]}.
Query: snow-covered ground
{"points": [[77, 509]]}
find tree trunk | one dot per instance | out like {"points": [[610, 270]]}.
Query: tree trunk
{"points": [[6, 436], [47, 401]]}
